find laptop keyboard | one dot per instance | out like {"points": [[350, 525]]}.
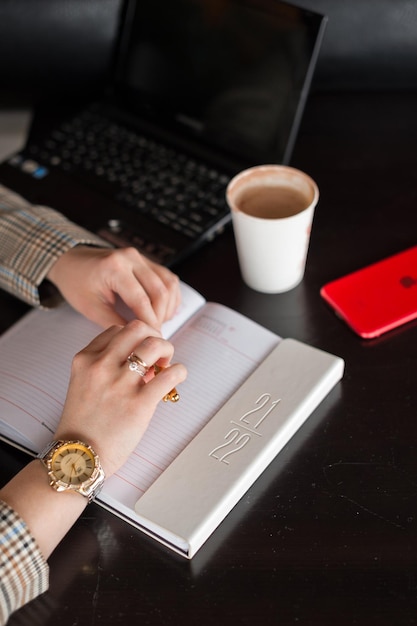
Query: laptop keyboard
{"points": [[138, 173]]}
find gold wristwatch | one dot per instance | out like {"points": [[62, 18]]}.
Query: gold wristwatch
{"points": [[73, 466]]}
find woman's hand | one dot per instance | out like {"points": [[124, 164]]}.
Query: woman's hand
{"points": [[108, 405], [91, 278]]}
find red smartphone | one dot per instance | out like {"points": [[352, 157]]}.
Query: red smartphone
{"points": [[377, 298]]}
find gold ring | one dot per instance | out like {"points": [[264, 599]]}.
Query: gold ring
{"points": [[137, 365]]}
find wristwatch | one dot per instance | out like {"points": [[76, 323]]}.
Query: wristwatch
{"points": [[73, 466]]}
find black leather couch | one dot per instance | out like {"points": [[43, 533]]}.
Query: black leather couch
{"points": [[369, 45], [67, 44], [59, 46]]}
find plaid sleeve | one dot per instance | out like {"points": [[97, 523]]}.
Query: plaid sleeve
{"points": [[24, 573], [32, 238]]}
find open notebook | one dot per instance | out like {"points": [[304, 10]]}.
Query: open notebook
{"points": [[246, 394]]}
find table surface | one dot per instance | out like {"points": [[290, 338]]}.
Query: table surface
{"points": [[328, 533]]}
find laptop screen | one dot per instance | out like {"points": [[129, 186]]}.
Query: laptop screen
{"points": [[231, 74]]}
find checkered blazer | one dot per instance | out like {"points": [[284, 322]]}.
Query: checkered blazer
{"points": [[24, 573]]}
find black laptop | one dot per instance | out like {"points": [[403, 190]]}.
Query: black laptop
{"points": [[200, 90]]}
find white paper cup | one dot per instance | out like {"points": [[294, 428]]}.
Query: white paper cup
{"points": [[272, 212]]}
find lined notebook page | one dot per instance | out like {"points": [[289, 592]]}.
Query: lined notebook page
{"points": [[219, 347]]}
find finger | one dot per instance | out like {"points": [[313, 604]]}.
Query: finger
{"points": [[135, 295], [158, 282], [155, 290], [136, 335], [151, 351], [159, 386], [104, 314], [119, 340], [102, 341], [150, 290], [172, 284]]}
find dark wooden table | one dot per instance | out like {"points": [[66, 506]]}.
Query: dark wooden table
{"points": [[328, 534]]}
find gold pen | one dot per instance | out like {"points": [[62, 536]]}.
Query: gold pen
{"points": [[172, 395]]}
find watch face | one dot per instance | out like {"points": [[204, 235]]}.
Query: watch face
{"points": [[73, 463]]}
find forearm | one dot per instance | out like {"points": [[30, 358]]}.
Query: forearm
{"points": [[33, 520], [48, 514]]}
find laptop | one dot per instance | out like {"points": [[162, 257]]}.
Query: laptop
{"points": [[200, 90]]}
